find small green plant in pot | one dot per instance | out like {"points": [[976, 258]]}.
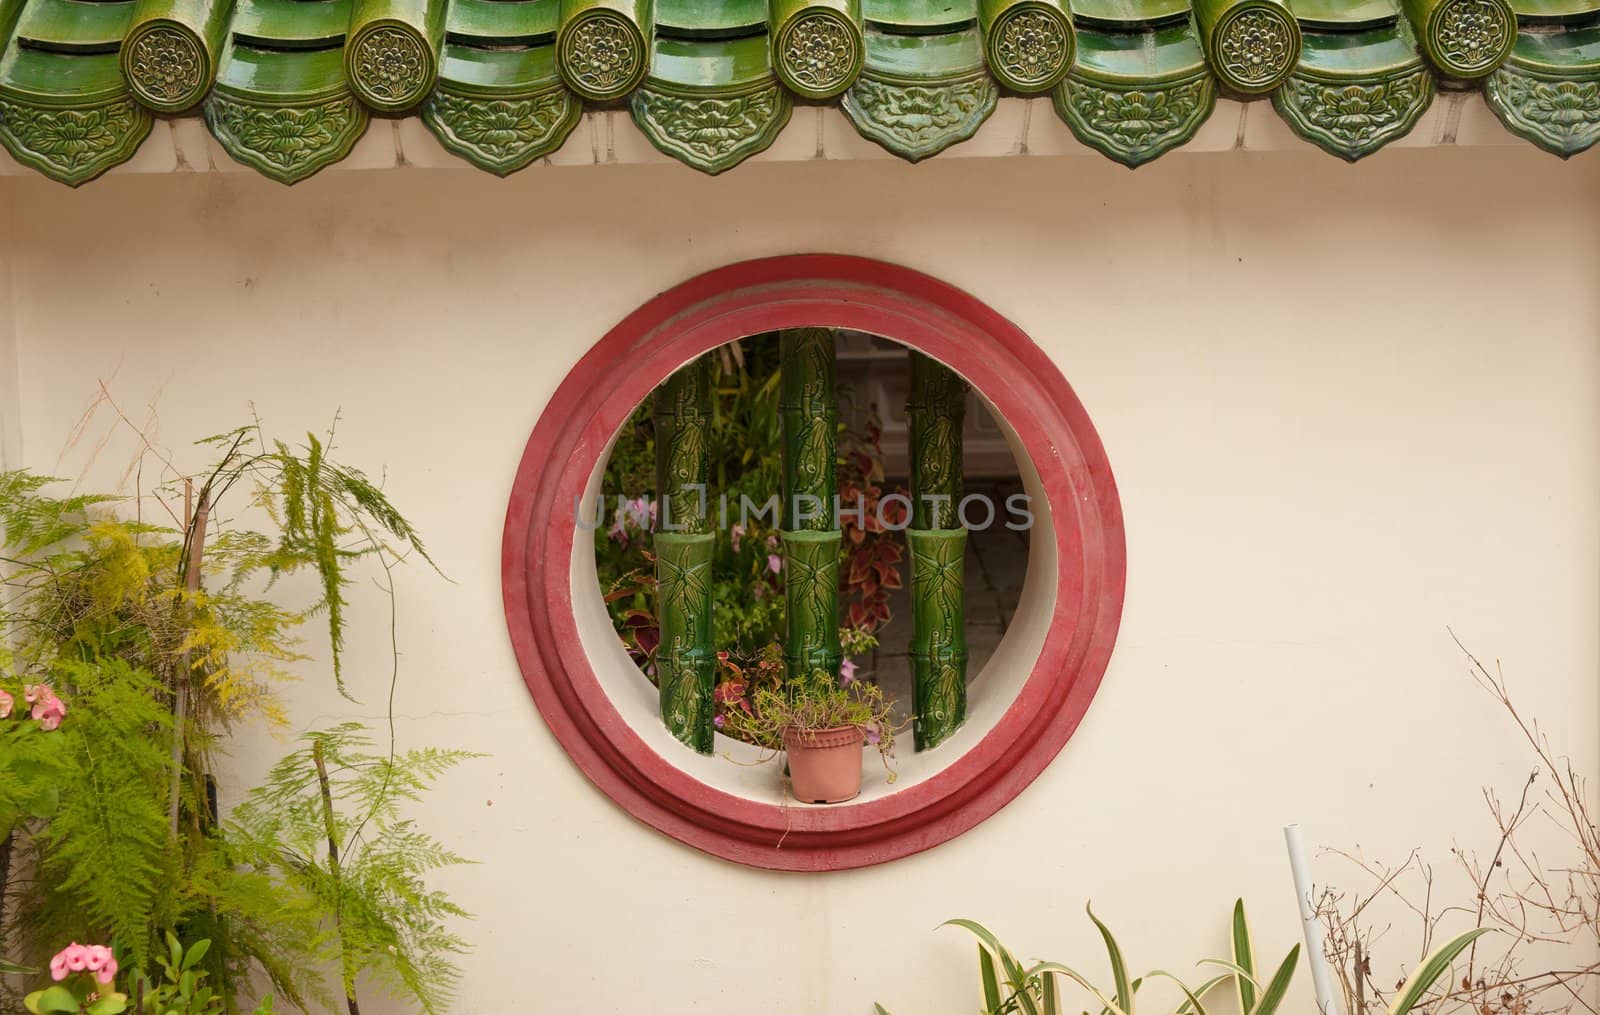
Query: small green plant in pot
{"points": [[822, 725]]}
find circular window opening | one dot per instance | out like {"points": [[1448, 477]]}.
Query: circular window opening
{"points": [[1056, 589], [745, 510]]}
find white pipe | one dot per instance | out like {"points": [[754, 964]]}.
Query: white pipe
{"points": [[1318, 962]]}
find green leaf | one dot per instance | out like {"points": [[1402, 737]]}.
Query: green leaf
{"points": [[1119, 968], [1244, 957], [1193, 1003], [52, 999], [991, 983], [1046, 968], [1234, 969], [1013, 971], [1274, 993], [878, 1009], [196, 953], [111, 1004], [1432, 967], [12, 969], [1047, 988], [1200, 991]]}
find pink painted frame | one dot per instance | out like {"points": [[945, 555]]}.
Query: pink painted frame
{"points": [[815, 290]]}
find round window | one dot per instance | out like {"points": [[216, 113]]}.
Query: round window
{"points": [[1037, 518]]}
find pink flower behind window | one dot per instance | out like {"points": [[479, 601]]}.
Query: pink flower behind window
{"points": [[77, 958], [7, 702], [774, 563]]}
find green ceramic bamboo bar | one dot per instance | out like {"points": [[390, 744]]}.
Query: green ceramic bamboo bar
{"points": [[682, 420], [938, 636], [169, 55], [936, 412], [817, 46], [392, 58], [811, 590], [1029, 44], [1466, 39], [685, 659], [603, 46], [810, 413], [1252, 45]]}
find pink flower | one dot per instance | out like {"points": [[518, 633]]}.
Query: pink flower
{"points": [[720, 721], [77, 958], [48, 709], [873, 735], [102, 963], [735, 534], [6, 704], [774, 563], [847, 672]]}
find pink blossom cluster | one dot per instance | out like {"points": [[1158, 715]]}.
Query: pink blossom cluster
{"points": [[77, 958], [48, 709]]}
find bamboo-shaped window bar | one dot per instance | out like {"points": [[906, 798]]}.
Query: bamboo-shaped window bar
{"points": [[812, 540], [684, 544]]}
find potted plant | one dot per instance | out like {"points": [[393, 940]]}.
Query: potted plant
{"points": [[822, 725]]}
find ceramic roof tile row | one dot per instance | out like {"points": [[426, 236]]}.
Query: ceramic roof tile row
{"points": [[289, 86]]}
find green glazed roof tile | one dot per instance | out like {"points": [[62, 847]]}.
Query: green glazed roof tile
{"points": [[59, 78], [1555, 10], [918, 16], [1345, 14], [920, 94], [503, 21], [282, 76], [1564, 53], [711, 104], [911, 75], [1358, 54], [1136, 57], [1354, 92], [710, 65], [1128, 13], [1134, 96], [924, 57], [1549, 91], [509, 70], [710, 19], [285, 23], [74, 26]]}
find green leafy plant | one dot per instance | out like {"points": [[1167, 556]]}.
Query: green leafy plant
{"points": [[1433, 968], [181, 989], [152, 640], [1009, 987], [816, 702], [326, 828]]}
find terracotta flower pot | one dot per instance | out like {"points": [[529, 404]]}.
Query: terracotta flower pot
{"points": [[824, 765]]}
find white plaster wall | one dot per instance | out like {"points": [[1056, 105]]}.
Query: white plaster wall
{"points": [[1346, 408]]}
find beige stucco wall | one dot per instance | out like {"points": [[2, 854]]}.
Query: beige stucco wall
{"points": [[1346, 408]]}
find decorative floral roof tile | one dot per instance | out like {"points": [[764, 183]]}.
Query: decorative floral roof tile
{"points": [[288, 86]]}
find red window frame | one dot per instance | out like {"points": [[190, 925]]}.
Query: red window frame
{"points": [[814, 290]]}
